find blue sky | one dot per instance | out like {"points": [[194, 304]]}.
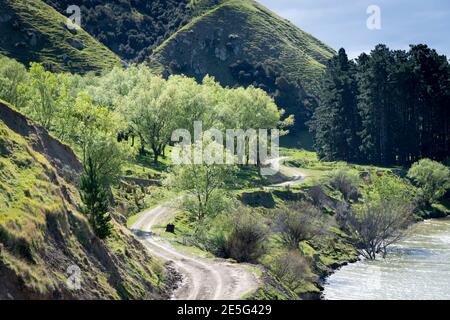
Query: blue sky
{"points": [[342, 23]]}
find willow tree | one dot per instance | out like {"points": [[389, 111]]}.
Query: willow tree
{"points": [[252, 109], [203, 182], [150, 111]]}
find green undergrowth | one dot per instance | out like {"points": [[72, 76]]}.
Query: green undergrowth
{"points": [[143, 166]]}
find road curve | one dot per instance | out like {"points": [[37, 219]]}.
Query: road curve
{"points": [[294, 174], [203, 279]]}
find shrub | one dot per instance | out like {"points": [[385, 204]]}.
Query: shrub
{"points": [[432, 178], [300, 221], [377, 225], [246, 242], [95, 201], [212, 234], [317, 195], [293, 269], [346, 181], [390, 187]]}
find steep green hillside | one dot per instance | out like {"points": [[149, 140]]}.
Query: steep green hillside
{"points": [[130, 28], [244, 30], [42, 234], [241, 42], [30, 30]]}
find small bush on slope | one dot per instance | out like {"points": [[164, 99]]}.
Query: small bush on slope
{"points": [[300, 221]]}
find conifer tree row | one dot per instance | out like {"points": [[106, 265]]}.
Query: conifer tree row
{"points": [[388, 107]]}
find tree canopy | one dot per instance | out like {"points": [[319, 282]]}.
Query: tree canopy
{"points": [[388, 107]]}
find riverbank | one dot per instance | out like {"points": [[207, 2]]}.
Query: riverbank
{"points": [[369, 179], [441, 211], [416, 268]]}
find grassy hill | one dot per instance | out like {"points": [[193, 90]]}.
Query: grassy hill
{"points": [[244, 30], [31, 30], [130, 28], [240, 42], [42, 233]]}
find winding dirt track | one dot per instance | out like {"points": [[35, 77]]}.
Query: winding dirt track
{"points": [[203, 279]]}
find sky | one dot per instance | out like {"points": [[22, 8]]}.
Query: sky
{"points": [[343, 23]]}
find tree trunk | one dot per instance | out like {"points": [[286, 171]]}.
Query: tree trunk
{"points": [[142, 149], [156, 153]]}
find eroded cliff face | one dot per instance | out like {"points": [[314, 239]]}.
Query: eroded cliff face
{"points": [[47, 249]]}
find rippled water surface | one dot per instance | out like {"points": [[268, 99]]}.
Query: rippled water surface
{"points": [[417, 268]]}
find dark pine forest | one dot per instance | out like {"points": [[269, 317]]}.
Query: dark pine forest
{"points": [[389, 107]]}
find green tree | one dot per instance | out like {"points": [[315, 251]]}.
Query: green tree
{"points": [[43, 91], [252, 109], [389, 187], [149, 109], [95, 199], [248, 237], [103, 159], [203, 183], [346, 181], [293, 269], [383, 217], [195, 102], [85, 121], [300, 221], [335, 124], [432, 178], [375, 105], [109, 89], [12, 77]]}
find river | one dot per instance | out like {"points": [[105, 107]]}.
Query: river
{"points": [[417, 268]]}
